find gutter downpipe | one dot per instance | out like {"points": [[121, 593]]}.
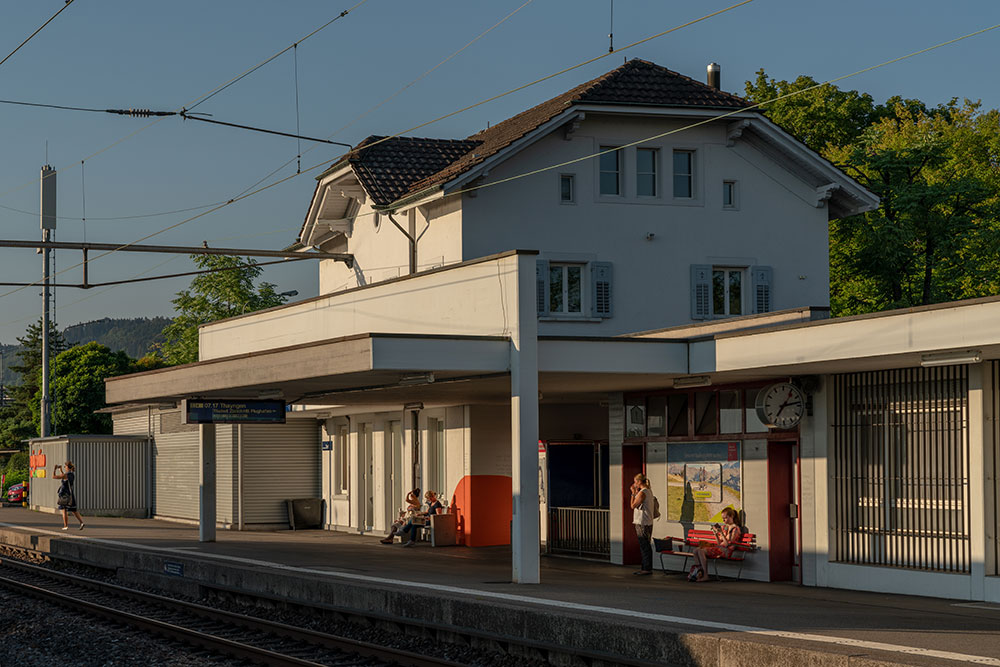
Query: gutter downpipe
{"points": [[410, 236]]}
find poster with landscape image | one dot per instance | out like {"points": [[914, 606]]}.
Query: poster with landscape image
{"points": [[703, 478]]}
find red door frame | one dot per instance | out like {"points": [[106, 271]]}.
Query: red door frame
{"points": [[633, 463], [784, 551]]}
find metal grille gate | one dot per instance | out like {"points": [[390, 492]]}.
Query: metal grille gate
{"points": [[900, 468]]}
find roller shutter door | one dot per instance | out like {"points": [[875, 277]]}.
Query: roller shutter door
{"points": [[135, 422], [280, 461], [175, 475]]}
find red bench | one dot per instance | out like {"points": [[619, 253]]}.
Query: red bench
{"points": [[684, 548]]}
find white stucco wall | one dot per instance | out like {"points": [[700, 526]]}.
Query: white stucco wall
{"points": [[776, 223], [474, 299], [381, 251]]}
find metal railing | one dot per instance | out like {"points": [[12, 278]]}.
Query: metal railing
{"points": [[582, 531]]}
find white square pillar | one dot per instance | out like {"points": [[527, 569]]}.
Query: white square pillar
{"points": [[206, 483], [980, 413], [524, 540]]}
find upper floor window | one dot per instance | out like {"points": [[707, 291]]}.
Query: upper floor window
{"points": [[611, 171], [725, 291], [728, 194], [573, 289], [684, 174], [645, 172], [566, 188], [565, 289]]}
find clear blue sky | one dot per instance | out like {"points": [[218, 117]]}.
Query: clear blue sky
{"points": [[122, 53]]}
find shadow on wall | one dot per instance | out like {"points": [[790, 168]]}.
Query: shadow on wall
{"points": [[483, 504]]}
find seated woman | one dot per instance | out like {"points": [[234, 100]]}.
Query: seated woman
{"points": [[412, 506], [728, 535], [434, 506]]}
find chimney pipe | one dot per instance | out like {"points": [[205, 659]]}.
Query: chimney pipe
{"points": [[714, 78]]}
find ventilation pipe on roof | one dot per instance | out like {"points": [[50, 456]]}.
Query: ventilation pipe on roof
{"points": [[714, 78]]}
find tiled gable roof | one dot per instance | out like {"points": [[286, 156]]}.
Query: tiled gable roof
{"points": [[386, 170], [403, 166]]}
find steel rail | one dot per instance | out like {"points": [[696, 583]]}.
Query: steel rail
{"points": [[305, 638]]}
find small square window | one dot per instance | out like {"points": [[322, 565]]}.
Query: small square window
{"points": [[566, 188], [611, 173], [728, 194], [645, 172], [683, 174]]}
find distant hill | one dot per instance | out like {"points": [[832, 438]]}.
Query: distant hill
{"points": [[132, 335]]}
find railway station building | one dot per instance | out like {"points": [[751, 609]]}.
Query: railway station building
{"points": [[632, 276]]}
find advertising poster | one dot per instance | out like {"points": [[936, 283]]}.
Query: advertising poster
{"points": [[703, 478]]}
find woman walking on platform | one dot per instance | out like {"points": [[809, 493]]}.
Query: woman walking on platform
{"points": [[66, 490]]}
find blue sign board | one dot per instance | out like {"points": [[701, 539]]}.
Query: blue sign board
{"points": [[327, 445], [173, 569], [198, 411]]}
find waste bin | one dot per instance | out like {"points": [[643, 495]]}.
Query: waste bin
{"points": [[304, 513]]}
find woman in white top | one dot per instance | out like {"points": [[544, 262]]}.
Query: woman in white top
{"points": [[642, 518]]}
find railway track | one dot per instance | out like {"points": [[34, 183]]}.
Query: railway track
{"points": [[236, 635]]}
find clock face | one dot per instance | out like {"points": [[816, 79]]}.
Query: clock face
{"points": [[781, 405]]}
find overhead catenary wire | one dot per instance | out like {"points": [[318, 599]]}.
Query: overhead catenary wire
{"points": [[591, 156], [193, 103], [551, 167], [29, 37]]}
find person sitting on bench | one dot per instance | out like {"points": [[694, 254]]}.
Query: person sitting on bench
{"points": [[412, 507], [727, 537], [434, 506]]}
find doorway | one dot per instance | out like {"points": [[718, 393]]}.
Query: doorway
{"points": [[394, 469], [633, 463], [782, 511], [367, 477]]}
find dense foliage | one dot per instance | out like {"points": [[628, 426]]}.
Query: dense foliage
{"points": [[936, 235], [77, 386], [17, 421], [226, 292]]}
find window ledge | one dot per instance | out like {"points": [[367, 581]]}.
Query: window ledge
{"points": [[569, 318]]}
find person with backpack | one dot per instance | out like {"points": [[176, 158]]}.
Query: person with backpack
{"points": [[66, 496], [642, 517]]}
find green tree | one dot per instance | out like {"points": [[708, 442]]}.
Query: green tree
{"points": [[935, 237], [16, 420], [228, 291], [78, 387]]}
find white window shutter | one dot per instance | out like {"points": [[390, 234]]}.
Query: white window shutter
{"points": [[601, 290], [701, 291], [761, 280], [542, 286]]}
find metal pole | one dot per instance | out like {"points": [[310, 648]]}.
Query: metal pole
{"points": [[48, 223]]}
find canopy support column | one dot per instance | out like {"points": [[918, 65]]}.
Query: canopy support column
{"points": [[206, 483], [525, 543]]}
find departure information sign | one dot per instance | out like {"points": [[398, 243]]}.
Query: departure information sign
{"points": [[198, 411]]}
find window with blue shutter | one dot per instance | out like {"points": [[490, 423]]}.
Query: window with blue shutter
{"points": [[761, 280], [542, 286], [701, 291], [601, 293]]}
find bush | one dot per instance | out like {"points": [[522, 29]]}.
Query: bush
{"points": [[16, 469]]}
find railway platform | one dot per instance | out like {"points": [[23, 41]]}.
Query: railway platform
{"points": [[588, 605]]}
